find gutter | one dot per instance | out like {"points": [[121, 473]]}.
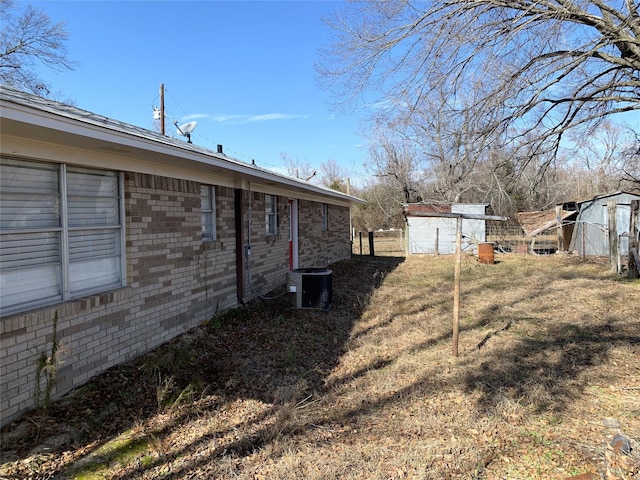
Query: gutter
{"points": [[29, 109]]}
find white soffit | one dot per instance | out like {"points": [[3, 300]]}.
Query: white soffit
{"points": [[57, 130]]}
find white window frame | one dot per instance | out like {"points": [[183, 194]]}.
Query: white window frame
{"points": [[325, 217], [271, 214], [208, 212], [78, 237]]}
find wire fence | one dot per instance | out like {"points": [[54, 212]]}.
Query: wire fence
{"points": [[387, 243], [509, 238], [506, 238], [585, 239]]}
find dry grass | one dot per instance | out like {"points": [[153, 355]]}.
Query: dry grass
{"points": [[548, 372], [387, 243]]}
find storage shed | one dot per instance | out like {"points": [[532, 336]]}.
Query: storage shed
{"points": [[591, 232], [437, 235]]}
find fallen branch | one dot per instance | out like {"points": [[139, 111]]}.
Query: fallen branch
{"points": [[491, 334]]}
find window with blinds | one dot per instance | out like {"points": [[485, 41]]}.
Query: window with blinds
{"points": [[61, 233], [325, 217], [208, 212], [271, 214]]}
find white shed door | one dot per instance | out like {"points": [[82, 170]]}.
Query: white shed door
{"points": [[438, 235], [432, 235]]}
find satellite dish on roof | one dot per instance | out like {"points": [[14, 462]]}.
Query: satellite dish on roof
{"points": [[185, 129]]}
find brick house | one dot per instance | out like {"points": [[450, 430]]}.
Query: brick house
{"points": [[125, 238]]}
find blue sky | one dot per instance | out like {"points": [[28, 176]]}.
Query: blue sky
{"points": [[242, 69]]}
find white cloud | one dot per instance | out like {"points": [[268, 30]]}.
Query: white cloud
{"points": [[196, 116], [273, 116], [240, 119]]}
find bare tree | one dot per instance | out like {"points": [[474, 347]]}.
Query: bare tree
{"points": [[631, 164], [27, 41], [542, 66], [608, 158], [382, 210], [297, 168], [447, 138], [333, 176], [395, 161], [395, 178]]}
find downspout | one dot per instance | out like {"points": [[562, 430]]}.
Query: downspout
{"points": [[290, 235], [238, 213]]}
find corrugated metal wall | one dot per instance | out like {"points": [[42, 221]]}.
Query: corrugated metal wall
{"points": [[591, 232], [438, 235]]}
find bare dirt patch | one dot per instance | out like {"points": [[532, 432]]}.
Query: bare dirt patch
{"points": [[548, 374]]}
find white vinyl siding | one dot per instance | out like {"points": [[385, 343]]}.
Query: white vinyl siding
{"points": [[208, 212], [61, 233]]}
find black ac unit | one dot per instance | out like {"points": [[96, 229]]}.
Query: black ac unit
{"points": [[310, 288]]}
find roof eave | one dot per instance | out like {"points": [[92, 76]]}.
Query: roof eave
{"points": [[154, 143]]}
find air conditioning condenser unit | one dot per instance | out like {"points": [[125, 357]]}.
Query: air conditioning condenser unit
{"points": [[310, 288]]}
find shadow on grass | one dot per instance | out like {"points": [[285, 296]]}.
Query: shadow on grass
{"points": [[520, 373], [543, 361], [545, 372], [282, 357], [265, 351]]}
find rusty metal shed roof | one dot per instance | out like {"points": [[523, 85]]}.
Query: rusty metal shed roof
{"points": [[418, 208], [534, 223]]}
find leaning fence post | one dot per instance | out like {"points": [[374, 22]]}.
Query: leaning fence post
{"points": [[634, 259], [559, 229], [613, 236], [456, 286]]}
